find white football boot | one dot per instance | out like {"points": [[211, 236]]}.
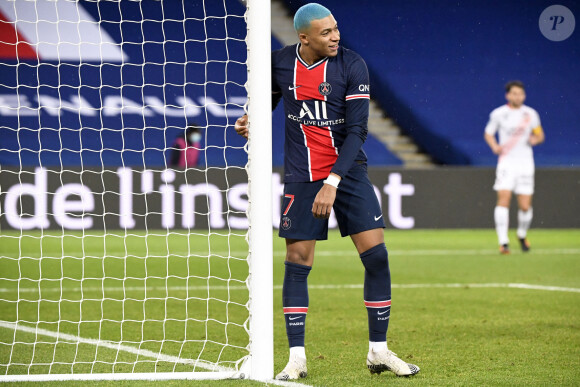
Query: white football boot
{"points": [[386, 360], [295, 369]]}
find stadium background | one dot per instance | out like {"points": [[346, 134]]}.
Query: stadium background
{"points": [[436, 69], [464, 314]]}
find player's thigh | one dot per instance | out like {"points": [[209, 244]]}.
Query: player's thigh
{"points": [[356, 206], [296, 220], [503, 198], [366, 240]]}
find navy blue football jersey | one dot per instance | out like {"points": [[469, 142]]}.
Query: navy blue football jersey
{"points": [[323, 102]]}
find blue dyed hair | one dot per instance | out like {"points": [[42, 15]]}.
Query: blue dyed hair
{"points": [[307, 13]]}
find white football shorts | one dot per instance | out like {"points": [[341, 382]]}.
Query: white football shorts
{"points": [[520, 182]]}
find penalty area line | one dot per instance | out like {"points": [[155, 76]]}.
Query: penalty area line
{"points": [[59, 336], [137, 351]]}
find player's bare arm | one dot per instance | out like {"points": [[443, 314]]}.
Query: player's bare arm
{"points": [[492, 142], [241, 126], [324, 200]]}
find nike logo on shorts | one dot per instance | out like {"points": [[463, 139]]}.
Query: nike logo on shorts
{"points": [[294, 87], [378, 217]]}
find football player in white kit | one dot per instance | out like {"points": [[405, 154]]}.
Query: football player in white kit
{"points": [[519, 129]]}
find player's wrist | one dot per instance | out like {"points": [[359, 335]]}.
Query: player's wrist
{"points": [[332, 180]]}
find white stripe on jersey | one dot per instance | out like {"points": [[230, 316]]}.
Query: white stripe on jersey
{"points": [[357, 96], [307, 151]]}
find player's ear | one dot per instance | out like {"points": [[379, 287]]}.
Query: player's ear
{"points": [[303, 38]]}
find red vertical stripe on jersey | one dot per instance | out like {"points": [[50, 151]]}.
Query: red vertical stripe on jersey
{"points": [[12, 44], [323, 154], [319, 141], [308, 81]]}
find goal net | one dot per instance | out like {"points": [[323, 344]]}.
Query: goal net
{"points": [[131, 245]]}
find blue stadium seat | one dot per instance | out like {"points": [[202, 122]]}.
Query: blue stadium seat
{"points": [[438, 68]]}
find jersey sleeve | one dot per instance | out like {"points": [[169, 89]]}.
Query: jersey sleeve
{"points": [[357, 115], [536, 124], [357, 98], [493, 125]]}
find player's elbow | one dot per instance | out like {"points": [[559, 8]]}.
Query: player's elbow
{"points": [[359, 131]]}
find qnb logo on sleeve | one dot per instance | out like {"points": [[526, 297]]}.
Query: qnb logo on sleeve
{"points": [[364, 88]]}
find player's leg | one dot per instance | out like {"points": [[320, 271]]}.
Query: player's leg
{"points": [[525, 215], [301, 230], [377, 284], [505, 182], [524, 190], [359, 215], [501, 217], [299, 259], [377, 297]]}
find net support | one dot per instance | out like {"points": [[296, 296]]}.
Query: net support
{"points": [[261, 360]]}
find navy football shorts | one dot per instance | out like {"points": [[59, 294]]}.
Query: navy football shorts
{"points": [[356, 208]]}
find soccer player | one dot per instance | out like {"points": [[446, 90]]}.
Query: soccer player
{"points": [[519, 130], [325, 88]]}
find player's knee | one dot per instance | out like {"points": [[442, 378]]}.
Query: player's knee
{"points": [[375, 258], [298, 257]]}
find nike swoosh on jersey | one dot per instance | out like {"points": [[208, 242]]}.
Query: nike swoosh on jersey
{"points": [[378, 217], [294, 87]]}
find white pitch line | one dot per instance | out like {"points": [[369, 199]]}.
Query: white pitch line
{"points": [[115, 346], [279, 287], [394, 253], [126, 348], [241, 255]]}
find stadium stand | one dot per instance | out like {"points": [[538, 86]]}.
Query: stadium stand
{"points": [[438, 68], [139, 92], [126, 112]]}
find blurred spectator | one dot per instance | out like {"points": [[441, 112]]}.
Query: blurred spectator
{"points": [[185, 152]]}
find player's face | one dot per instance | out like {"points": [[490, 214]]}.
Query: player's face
{"points": [[322, 38], [516, 96]]}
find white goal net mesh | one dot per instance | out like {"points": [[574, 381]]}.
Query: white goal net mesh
{"points": [[123, 189]]}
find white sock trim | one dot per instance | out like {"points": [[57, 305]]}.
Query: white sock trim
{"points": [[377, 346], [297, 352]]}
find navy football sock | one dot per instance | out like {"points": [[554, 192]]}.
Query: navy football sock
{"points": [[295, 302], [377, 291]]}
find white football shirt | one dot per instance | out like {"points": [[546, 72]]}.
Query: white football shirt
{"points": [[515, 125]]}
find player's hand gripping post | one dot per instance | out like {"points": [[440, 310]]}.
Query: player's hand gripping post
{"points": [[241, 126], [325, 199]]}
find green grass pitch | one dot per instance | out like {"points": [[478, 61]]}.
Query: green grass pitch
{"points": [[457, 310]]}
